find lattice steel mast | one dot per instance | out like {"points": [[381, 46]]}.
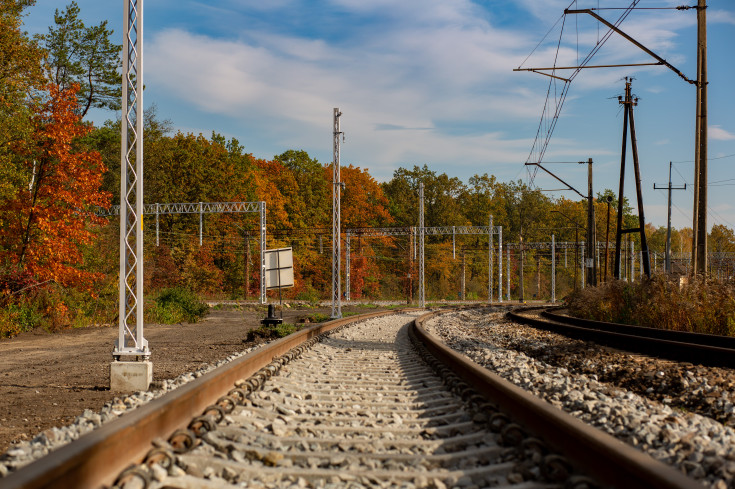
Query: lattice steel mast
{"points": [[422, 233], [130, 341], [336, 248]]}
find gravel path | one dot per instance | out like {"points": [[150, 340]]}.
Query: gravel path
{"points": [[645, 402]]}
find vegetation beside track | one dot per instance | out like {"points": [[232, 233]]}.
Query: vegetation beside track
{"points": [[698, 306]]}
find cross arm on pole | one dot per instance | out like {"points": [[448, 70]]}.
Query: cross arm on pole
{"points": [[626, 36], [562, 181]]}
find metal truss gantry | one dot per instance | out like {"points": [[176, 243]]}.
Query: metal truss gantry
{"points": [[130, 341], [430, 231], [202, 208]]}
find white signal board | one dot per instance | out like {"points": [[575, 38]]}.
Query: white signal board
{"points": [[279, 268]]}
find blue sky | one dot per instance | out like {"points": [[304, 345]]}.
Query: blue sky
{"points": [[430, 82]]}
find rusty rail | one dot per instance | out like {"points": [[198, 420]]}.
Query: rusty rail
{"points": [[95, 459], [712, 350], [593, 451]]}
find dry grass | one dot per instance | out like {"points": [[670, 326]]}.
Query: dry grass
{"points": [[702, 306]]}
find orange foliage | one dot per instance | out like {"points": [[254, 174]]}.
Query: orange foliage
{"points": [[50, 219], [269, 181]]}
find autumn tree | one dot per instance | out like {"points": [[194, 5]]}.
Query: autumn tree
{"points": [[49, 218]]}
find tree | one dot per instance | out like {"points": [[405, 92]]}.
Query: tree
{"points": [[721, 239], [49, 217], [441, 192], [363, 201], [85, 56], [313, 192], [20, 77]]}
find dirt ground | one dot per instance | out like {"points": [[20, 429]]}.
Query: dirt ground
{"points": [[48, 379]]}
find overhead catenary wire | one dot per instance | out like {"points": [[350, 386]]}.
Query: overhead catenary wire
{"points": [[547, 124]]}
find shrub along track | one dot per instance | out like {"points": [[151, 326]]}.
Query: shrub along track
{"points": [[360, 406]]}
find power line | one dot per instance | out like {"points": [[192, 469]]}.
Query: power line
{"points": [[708, 159]]}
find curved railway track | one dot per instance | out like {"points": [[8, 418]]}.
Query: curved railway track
{"points": [[381, 403], [710, 350]]}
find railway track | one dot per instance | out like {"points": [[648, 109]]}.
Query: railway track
{"points": [[377, 404], [711, 350]]}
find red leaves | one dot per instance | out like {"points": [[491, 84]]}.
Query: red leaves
{"points": [[51, 218]]}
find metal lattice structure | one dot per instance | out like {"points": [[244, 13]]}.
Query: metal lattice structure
{"points": [[130, 341], [490, 265], [192, 208], [336, 217], [429, 231], [202, 208], [422, 233]]}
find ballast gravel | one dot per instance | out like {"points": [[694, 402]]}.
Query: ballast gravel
{"points": [[25, 452], [700, 446]]}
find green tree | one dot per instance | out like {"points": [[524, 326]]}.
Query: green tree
{"points": [[85, 56], [441, 193], [721, 239], [481, 199], [20, 78], [311, 200]]}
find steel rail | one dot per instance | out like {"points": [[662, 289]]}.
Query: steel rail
{"points": [[95, 459], [593, 451], [711, 350]]}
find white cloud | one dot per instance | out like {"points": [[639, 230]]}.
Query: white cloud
{"points": [[719, 134], [430, 72], [720, 17]]}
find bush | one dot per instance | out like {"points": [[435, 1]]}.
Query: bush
{"points": [[176, 305], [309, 295], [272, 332], [701, 306]]}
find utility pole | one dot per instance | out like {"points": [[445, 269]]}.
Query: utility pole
{"points": [[667, 263], [464, 270], [422, 231], [628, 103], [553, 269], [608, 199], [336, 223], [699, 224], [590, 261], [520, 266], [410, 267], [490, 262], [247, 266]]}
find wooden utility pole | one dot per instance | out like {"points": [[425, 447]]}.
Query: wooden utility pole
{"points": [[699, 224], [628, 102]]}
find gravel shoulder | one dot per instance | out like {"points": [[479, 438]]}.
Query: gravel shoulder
{"points": [[681, 414], [47, 380]]}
